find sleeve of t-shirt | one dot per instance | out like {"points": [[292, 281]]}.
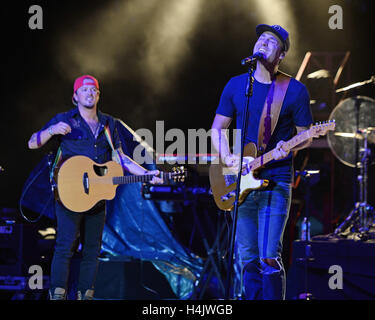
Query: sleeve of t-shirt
{"points": [[226, 107], [302, 115]]}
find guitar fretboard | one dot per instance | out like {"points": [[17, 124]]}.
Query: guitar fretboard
{"points": [[141, 178], [267, 157]]}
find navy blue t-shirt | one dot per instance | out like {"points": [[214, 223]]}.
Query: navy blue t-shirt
{"points": [[295, 111], [81, 140]]}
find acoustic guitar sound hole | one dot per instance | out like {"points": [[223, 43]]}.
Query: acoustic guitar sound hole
{"points": [[100, 170]]}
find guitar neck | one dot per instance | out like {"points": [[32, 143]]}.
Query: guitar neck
{"points": [[140, 178], [267, 157]]}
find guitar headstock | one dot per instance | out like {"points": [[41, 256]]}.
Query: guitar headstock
{"points": [[321, 128], [178, 174]]}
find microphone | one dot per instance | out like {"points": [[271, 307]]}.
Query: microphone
{"points": [[256, 56]]}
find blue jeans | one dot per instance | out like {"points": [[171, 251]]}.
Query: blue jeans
{"points": [[260, 226], [68, 231]]}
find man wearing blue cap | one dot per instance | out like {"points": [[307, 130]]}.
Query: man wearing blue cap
{"points": [[278, 107]]}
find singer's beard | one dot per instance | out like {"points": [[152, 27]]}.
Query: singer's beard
{"points": [[271, 67], [89, 106]]}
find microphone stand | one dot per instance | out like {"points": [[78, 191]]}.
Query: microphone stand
{"points": [[248, 94]]}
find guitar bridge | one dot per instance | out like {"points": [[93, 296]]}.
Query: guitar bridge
{"points": [[86, 182]]}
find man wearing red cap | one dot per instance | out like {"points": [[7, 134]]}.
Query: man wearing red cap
{"points": [[263, 215], [81, 131]]}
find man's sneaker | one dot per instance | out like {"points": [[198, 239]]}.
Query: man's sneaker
{"points": [[59, 294], [89, 295]]}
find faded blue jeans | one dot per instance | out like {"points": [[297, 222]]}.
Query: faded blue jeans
{"points": [[260, 228], [68, 231]]}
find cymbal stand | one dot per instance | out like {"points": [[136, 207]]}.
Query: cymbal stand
{"points": [[366, 212], [362, 216]]}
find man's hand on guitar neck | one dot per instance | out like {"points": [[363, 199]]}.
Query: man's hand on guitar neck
{"points": [[232, 161], [155, 179], [133, 167], [280, 151]]}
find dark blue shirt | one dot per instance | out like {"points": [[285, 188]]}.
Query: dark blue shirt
{"points": [[295, 111], [81, 140]]}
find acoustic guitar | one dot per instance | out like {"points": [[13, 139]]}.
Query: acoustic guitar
{"points": [[223, 181], [82, 183]]}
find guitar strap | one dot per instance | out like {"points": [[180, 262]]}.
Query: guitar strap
{"points": [[271, 109], [107, 133], [52, 171]]}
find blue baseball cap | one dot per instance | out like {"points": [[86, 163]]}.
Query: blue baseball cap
{"points": [[280, 32]]}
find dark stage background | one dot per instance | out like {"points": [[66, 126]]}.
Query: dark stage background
{"points": [[169, 60]]}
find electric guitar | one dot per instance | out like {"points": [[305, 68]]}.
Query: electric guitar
{"points": [[82, 183], [223, 181]]}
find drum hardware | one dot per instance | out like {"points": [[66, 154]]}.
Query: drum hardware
{"points": [[362, 216], [353, 143]]}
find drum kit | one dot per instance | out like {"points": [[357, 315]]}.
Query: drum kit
{"points": [[353, 144]]}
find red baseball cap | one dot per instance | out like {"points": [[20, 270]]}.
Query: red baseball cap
{"points": [[78, 83]]}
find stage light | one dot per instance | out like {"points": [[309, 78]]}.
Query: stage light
{"points": [[167, 41], [153, 34], [97, 42]]}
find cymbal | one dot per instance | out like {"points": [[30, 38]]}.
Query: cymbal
{"points": [[357, 84], [370, 138], [348, 135], [350, 128]]}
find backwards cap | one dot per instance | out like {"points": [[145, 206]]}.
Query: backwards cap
{"points": [[78, 83]]}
